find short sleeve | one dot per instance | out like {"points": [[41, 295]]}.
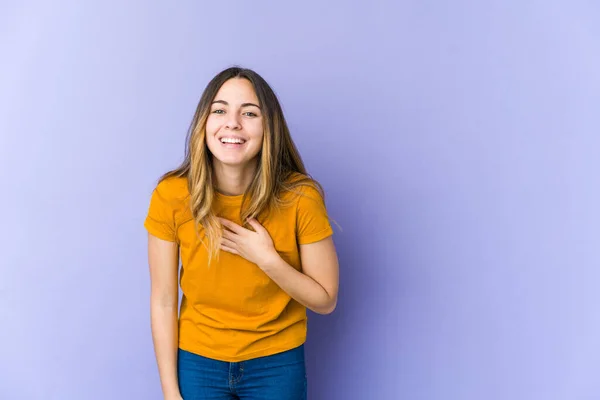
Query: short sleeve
{"points": [[160, 220], [312, 221]]}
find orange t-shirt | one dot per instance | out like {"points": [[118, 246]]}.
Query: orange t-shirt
{"points": [[233, 311]]}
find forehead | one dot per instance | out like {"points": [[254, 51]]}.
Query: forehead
{"points": [[237, 90]]}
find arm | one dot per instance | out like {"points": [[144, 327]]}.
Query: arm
{"points": [[163, 260], [316, 287]]}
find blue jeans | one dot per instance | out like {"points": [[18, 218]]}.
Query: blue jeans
{"points": [[279, 376]]}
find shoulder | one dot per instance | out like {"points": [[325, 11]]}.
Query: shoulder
{"points": [[306, 185], [172, 191], [173, 187], [312, 219], [304, 191]]}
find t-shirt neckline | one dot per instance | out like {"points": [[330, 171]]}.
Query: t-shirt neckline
{"points": [[230, 199]]}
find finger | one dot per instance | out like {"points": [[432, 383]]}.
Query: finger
{"points": [[229, 249], [229, 235], [228, 243], [256, 225], [232, 226]]}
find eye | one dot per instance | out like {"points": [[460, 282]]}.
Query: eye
{"points": [[251, 114], [217, 111]]}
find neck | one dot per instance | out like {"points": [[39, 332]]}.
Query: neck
{"points": [[233, 180]]}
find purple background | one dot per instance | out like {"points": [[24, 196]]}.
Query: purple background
{"points": [[458, 143]]}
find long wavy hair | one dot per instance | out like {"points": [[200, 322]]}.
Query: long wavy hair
{"points": [[280, 168]]}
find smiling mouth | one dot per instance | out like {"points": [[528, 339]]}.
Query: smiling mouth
{"points": [[232, 144], [227, 140]]}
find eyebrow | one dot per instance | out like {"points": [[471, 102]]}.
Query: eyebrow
{"points": [[243, 105]]}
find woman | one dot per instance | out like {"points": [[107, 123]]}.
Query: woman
{"points": [[252, 231]]}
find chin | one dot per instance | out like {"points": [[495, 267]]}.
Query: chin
{"points": [[231, 161]]}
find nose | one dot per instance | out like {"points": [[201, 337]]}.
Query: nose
{"points": [[232, 122]]}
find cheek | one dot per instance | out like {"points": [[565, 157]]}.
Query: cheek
{"points": [[257, 145], [256, 130], [257, 139], [212, 126]]}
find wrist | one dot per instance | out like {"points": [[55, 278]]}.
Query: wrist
{"points": [[173, 394], [271, 261]]}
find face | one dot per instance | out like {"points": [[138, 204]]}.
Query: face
{"points": [[234, 128]]}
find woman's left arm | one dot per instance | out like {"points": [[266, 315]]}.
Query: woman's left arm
{"points": [[316, 287]]}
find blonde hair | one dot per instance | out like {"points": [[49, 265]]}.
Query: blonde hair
{"points": [[280, 168]]}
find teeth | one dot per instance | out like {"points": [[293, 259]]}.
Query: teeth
{"points": [[231, 140]]}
